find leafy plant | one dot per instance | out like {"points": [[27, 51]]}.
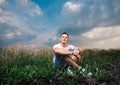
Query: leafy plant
{"points": [[22, 66]]}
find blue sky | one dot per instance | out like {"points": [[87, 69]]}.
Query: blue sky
{"points": [[36, 23]]}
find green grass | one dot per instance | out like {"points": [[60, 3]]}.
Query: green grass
{"points": [[22, 66]]}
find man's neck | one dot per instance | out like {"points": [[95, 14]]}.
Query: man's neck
{"points": [[64, 44]]}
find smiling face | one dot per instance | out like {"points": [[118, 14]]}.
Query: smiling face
{"points": [[64, 38]]}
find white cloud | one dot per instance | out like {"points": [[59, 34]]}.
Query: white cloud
{"points": [[102, 37], [18, 33], [15, 21], [1, 20], [104, 44], [44, 37], [70, 7], [2, 2], [102, 32], [11, 35], [28, 7], [14, 18]]}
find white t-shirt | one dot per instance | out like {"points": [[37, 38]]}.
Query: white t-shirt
{"points": [[58, 58], [68, 47]]}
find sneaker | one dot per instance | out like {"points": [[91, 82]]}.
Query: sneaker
{"points": [[89, 74], [69, 72], [84, 72]]}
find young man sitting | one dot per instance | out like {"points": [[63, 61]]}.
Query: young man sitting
{"points": [[66, 54]]}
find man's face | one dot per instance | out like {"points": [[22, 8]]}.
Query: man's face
{"points": [[64, 38]]}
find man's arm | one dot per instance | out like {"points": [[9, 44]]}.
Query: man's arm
{"points": [[80, 49], [62, 51]]}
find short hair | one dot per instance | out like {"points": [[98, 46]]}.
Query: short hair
{"points": [[65, 33]]}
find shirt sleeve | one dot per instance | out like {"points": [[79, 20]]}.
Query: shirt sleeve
{"points": [[71, 47], [57, 45]]}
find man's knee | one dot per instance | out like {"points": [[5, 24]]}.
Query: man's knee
{"points": [[74, 58], [66, 57]]}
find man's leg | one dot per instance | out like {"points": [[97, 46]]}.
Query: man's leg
{"points": [[76, 58], [71, 61]]}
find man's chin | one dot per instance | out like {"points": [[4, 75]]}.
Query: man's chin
{"points": [[64, 42]]}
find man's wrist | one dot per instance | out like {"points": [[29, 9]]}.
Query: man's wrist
{"points": [[72, 52]]}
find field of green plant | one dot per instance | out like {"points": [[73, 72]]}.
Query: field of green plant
{"points": [[28, 67]]}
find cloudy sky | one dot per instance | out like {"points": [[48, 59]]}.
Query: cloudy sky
{"points": [[34, 23]]}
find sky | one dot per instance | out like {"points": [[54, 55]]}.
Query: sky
{"points": [[37, 23]]}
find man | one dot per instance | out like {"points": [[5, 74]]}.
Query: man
{"points": [[66, 54]]}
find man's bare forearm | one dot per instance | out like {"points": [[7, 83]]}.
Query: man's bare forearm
{"points": [[62, 51]]}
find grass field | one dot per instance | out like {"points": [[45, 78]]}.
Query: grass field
{"points": [[30, 67]]}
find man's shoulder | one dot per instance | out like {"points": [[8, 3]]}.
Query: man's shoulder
{"points": [[70, 47], [56, 45]]}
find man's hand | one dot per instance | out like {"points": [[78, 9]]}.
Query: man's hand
{"points": [[80, 49], [76, 54]]}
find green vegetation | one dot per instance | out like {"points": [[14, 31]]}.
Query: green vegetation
{"points": [[23, 67]]}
